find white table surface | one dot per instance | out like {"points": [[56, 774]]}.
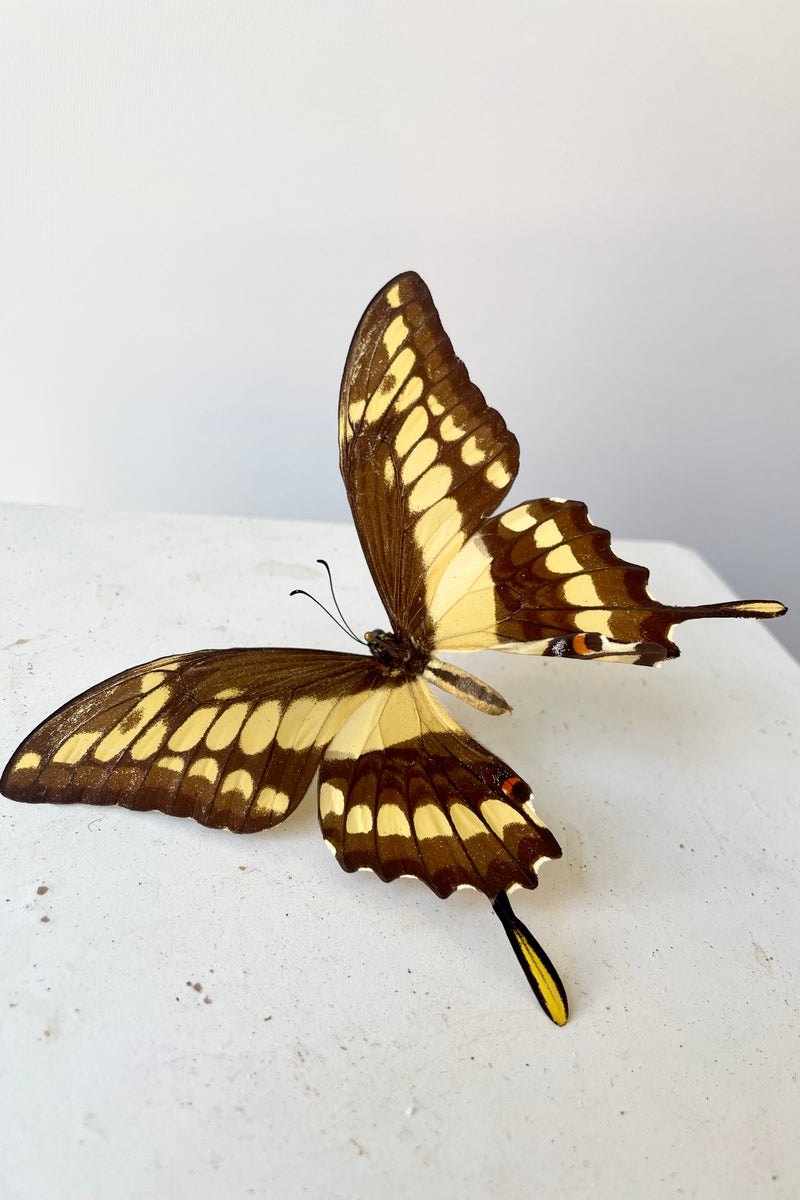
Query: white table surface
{"points": [[192, 1013]]}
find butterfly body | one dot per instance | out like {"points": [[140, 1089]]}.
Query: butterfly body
{"points": [[234, 738], [396, 654]]}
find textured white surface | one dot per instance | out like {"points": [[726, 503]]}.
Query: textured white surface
{"points": [[353, 1039]]}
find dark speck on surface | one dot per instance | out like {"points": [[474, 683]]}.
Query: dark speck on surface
{"points": [[42, 891]]}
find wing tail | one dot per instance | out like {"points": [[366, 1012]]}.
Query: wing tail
{"points": [[536, 965]]}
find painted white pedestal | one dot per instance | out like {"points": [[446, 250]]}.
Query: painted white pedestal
{"points": [[188, 1013]]}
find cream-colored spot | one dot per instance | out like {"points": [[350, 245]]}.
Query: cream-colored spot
{"points": [[547, 534], [260, 727], [240, 781], [229, 693], [356, 411], [187, 735], [471, 453], [594, 620], [450, 430], [562, 561], [226, 726], [331, 801], [150, 741], [498, 815], [206, 768], [340, 711], [765, 607], [433, 485], [497, 475], [420, 458], [330, 846], [393, 296], [435, 405], [531, 813], [171, 762], [436, 527], [392, 821], [359, 819], [280, 803], [269, 800], [387, 717], [75, 747], [170, 663], [433, 716], [430, 822], [466, 822], [128, 728], [517, 520], [411, 392], [462, 607], [581, 590], [390, 385], [301, 722], [150, 680], [557, 500], [29, 762], [389, 473], [411, 431], [396, 333]]}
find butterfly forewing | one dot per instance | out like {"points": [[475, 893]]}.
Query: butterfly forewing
{"points": [[423, 457], [405, 791], [231, 738]]}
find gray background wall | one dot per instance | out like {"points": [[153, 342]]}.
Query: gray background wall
{"points": [[197, 200]]}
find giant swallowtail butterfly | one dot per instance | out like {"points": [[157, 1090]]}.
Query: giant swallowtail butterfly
{"points": [[233, 738]]}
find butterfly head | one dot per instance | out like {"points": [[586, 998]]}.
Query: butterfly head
{"points": [[396, 653]]}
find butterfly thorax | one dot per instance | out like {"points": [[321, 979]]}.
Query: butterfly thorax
{"points": [[402, 656], [396, 653]]}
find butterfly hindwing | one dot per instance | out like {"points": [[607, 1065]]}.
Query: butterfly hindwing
{"points": [[542, 579], [231, 738], [423, 457], [403, 790]]}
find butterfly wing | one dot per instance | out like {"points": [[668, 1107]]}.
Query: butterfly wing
{"points": [[403, 790], [231, 738], [542, 579], [426, 462], [423, 457]]}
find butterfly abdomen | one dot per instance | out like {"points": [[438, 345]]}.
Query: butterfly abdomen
{"points": [[469, 689]]}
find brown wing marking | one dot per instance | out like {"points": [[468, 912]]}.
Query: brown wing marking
{"points": [[422, 456], [405, 791], [231, 738], [542, 579]]}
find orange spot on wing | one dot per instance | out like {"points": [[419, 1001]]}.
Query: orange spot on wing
{"points": [[509, 784], [579, 644]]}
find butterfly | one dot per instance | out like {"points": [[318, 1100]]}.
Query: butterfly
{"points": [[234, 738]]}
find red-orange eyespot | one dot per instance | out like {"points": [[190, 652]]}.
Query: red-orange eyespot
{"points": [[509, 784]]}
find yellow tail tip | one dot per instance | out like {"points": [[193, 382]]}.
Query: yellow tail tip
{"points": [[542, 976]]}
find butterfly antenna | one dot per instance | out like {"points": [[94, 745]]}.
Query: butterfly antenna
{"points": [[539, 971], [344, 628], [335, 601]]}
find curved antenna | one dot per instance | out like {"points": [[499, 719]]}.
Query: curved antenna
{"points": [[344, 629], [336, 602]]}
